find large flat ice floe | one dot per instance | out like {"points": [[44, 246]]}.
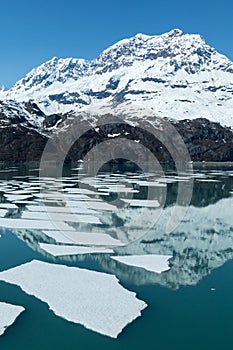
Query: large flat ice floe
{"points": [[151, 262], [93, 299], [8, 315]]}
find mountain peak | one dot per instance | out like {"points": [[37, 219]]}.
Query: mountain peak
{"points": [[174, 32], [182, 49], [176, 75], [142, 36]]}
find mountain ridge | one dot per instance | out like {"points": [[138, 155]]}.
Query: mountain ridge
{"points": [[173, 75]]}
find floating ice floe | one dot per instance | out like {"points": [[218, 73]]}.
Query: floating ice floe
{"points": [[60, 209], [33, 224], [117, 189], [60, 217], [55, 195], [101, 205], [207, 180], [3, 212], [58, 236], [151, 183], [26, 191], [93, 299], [151, 262], [8, 315], [83, 238], [142, 203], [17, 197], [8, 206], [80, 191], [103, 193], [61, 250]]}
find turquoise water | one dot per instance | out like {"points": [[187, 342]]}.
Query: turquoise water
{"points": [[189, 307]]}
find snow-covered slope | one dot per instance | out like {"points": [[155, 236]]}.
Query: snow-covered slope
{"points": [[173, 75], [27, 114]]}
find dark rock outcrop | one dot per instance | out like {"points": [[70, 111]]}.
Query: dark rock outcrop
{"points": [[20, 144], [23, 140], [206, 141]]}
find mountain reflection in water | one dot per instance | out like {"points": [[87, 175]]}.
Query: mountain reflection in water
{"points": [[202, 242]]}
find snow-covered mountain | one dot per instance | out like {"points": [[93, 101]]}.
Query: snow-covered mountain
{"points": [[26, 113], [174, 75]]}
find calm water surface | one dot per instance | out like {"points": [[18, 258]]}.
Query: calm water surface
{"points": [[190, 306]]}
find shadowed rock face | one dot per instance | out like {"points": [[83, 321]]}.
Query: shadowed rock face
{"points": [[206, 140], [20, 144]]}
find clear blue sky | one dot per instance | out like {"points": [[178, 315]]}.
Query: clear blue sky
{"points": [[35, 31]]}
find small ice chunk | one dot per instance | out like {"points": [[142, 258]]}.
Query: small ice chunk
{"points": [[3, 213], [117, 190], [27, 191], [151, 262], [33, 224], [8, 206], [58, 236], [150, 183], [17, 197], [83, 238], [142, 203], [61, 209], [207, 180], [101, 205], [61, 217], [80, 191], [62, 196], [8, 315], [95, 300], [61, 250]]}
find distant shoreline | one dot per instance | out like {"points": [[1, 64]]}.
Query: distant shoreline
{"points": [[209, 164], [14, 164]]}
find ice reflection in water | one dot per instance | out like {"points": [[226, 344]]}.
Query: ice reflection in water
{"points": [[102, 213]]}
